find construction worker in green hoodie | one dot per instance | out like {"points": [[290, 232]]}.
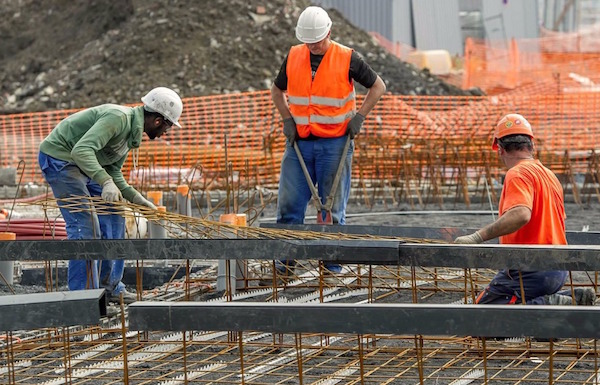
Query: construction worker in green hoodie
{"points": [[83, 156]]}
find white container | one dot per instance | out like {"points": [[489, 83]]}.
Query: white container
{"points": [[437, 61]]}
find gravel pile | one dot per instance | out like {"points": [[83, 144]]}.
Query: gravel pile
{"points": [[58, 54]]}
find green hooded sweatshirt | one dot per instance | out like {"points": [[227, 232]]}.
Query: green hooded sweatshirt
{"points": [[98, 140]]}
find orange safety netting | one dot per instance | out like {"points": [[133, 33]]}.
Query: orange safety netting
{"points": [[403, 137], [501, 65]]}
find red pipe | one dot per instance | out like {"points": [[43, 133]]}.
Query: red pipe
{"points": [[9, 202], [35, 228]]}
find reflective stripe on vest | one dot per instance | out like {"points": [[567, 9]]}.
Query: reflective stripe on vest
{"points": [[333, 102], [299, 100], [300, 119], [322, 101], [331, 119]]}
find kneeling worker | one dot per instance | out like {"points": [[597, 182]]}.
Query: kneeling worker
{"points": [[532, 212]]}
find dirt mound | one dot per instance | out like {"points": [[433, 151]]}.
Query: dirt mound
{"points": [[59, 54]]}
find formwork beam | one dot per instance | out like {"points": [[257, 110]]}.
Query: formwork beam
{"points": [[396, 319], [54, 309], [374, 252], [202, 249], [447, 234]]}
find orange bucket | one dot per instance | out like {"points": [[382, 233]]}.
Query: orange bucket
{"points": [[155, 197], [7, 267], [8, 236], [183, 189], [228, 218]]}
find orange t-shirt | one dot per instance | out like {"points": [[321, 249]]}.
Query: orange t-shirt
{"points": [[532, 185]]}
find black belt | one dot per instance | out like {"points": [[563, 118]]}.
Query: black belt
{"points": [[310, 137]]}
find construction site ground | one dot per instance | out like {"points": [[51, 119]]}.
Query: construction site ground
{"points": [[95, 355], [62, 55]]}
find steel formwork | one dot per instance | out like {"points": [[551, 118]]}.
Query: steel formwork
{"points": [[315, 330]]}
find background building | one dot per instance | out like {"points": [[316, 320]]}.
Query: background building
{"points": [[434, 24]]}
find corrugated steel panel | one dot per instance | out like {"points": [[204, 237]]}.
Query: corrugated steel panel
{"points": [[390, 18], [363, 14], [437, 25], [505, 19], [552, 12], [402, 22], [470, 5]]}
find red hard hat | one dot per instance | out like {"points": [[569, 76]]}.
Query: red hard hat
{"points": [[511, 124]]}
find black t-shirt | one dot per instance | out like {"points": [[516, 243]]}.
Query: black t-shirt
{"points": [[360, 71]]}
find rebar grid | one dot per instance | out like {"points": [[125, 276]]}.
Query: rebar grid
{"points": [[182, 226], [385, 280], [213, 357], [96, 355], [111, 354]]}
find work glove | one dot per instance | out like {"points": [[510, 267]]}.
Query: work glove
{"points": [[354, 125], [110, 191], [470, 239], [289, 130], [138, 199]]}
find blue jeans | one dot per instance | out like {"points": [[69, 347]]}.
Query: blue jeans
{"points": [[322, 158], [66, 180]]}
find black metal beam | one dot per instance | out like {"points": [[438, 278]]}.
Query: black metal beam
{"points": [[522, 257], [447, 234], [375, 252], [397, 319], [381, 251], [55, 309]]}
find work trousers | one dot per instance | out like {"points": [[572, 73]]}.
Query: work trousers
{"points": [[322, 157], [67, 180], [505, 288]]}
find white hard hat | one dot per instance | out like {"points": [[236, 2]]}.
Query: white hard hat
{"points": [[166, 102], [313, 25]]}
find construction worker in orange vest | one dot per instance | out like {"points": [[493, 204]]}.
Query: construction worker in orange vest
{"points": [[318, 114], [532, 212]]}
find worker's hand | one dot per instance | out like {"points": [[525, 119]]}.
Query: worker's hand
{"points": [[110, 191], [289, 130], [354, 125], [138, 199], [470, 239]]}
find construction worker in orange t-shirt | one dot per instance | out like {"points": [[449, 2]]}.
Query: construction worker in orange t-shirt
{"points": [[531, 212]]}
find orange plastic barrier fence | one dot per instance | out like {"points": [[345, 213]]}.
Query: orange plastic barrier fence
{"points": [[403, 136], [555, 63], [502, 65]]}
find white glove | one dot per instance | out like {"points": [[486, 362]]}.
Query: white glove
{"points": [[470, 239], [138, 199], [110, 191]]}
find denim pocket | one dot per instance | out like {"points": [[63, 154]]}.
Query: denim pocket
{"points": [[51, 166]]}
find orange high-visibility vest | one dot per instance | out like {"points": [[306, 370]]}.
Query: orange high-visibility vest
{"points": [[322, 106]]}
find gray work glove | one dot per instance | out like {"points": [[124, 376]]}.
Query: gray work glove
{"points": [[110, 191], [138, 199], [354, 125], [289, 130], [470, 239]]}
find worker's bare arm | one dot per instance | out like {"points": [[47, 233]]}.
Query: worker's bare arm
{"points": [[373, 95], [280, 102], [509, 222]]}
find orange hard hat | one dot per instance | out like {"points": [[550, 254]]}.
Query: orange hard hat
{"points": [[511, 124]]}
